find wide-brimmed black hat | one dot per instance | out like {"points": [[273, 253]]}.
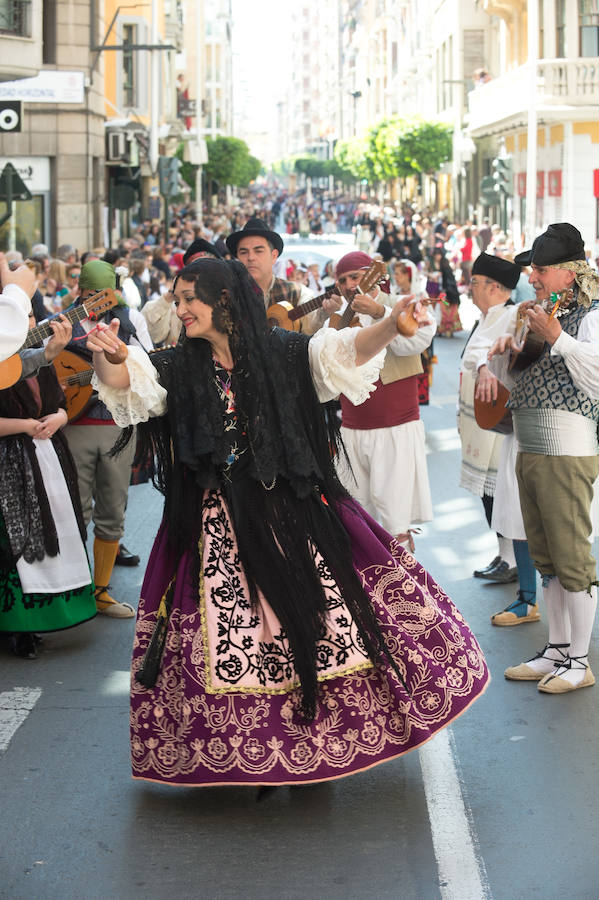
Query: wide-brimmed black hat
{"points": [[498, 269], [200, 246], [560, 243], [255, 227]]}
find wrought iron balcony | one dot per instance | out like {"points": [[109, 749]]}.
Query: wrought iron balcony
{"points": [[15, 18], [560, 84]]}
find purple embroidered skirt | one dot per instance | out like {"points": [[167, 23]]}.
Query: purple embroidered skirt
{"points": [[225, 707]]}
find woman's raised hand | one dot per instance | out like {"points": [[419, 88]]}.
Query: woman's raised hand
{"points": [[105, 340]]}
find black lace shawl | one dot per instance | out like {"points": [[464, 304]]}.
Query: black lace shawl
{"points": [[24, 503], [285, 503]]}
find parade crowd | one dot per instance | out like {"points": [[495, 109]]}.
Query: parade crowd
{"points": [[286, 632]]}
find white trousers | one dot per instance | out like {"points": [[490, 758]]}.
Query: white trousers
{"points": [[389, 476]]}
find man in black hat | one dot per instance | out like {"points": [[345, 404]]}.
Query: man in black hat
{"points": [[555, 409], [492, 281], [258, 248]]}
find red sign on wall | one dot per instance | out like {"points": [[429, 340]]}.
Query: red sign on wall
{"points": [[554, 183], [596, 183], [521, 184], [540, 184]]}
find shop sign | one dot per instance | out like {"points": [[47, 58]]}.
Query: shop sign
{"points": [[554, 183]]}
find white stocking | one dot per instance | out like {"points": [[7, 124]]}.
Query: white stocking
{"points": [[559, 628], [581, 607], [506, 551]]}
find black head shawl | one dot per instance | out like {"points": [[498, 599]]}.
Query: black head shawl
{"points": [[264, 381]]}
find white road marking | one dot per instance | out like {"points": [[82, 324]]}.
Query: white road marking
{"points": [[15, 706], [462, 873]]}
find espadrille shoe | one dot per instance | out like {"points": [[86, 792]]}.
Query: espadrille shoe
{"points": [[555, 684], [527, 672]]}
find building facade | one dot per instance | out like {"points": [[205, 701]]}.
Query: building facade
{"points": [[563, 89], [59, 149]]}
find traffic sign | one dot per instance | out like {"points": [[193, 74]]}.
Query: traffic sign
{"points": [[10, 116], [12, 186]]}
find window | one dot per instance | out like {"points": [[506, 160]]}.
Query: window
{"points": [[128, 70], [588, 20], [49, 32], [560, 28], [15, 17], [541, 50]]}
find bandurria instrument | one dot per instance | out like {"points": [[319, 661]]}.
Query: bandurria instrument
{"points": [[74, 375], [92, 308], [531, 343], [374, 275], [494, 416], [407, 324]]}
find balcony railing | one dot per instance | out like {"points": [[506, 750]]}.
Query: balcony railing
{"points": [[15, 17], [559, 83]]}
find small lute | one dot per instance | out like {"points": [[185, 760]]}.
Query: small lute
{"points": [[92, 308], [74, 375], [287, 316], [531, 343], [407, 325], [494, 416], [373, 276]]}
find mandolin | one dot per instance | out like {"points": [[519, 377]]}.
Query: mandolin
{"points": [[494, 416], [407, 325], [74, 375], [92, 308], [287, 316], [531, 343], [374, 275]]}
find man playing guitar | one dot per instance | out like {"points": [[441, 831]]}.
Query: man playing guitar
{"points": [[384, 436], [555, 409]]}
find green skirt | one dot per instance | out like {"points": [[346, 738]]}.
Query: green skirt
{"points": [[21, 612]]}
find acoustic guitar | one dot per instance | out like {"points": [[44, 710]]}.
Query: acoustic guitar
{"points": [[373, 276], [287, 316], [92, 308], [532, 344], [74, 375], [494, 416]]}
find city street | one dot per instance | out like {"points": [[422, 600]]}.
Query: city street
{"points": [[502, 805]]}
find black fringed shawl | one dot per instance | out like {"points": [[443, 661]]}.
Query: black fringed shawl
{"points": [[24, 503], [284, 502]]}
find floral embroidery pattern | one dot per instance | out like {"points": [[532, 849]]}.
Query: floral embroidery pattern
{"points": [[182, 733], [244, 650]]}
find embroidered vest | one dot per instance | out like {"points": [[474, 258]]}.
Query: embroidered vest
{"points": [[547, 383]]}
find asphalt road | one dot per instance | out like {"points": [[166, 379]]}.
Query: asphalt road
{"points": [[503, 805]]}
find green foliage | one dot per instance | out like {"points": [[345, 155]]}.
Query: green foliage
{"points": [[353, 157], [424, 147], [396, 148], [230, 162], [313, 167], [284, 167]]}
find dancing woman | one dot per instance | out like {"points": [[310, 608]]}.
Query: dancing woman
{"points": [[290, 638]]}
